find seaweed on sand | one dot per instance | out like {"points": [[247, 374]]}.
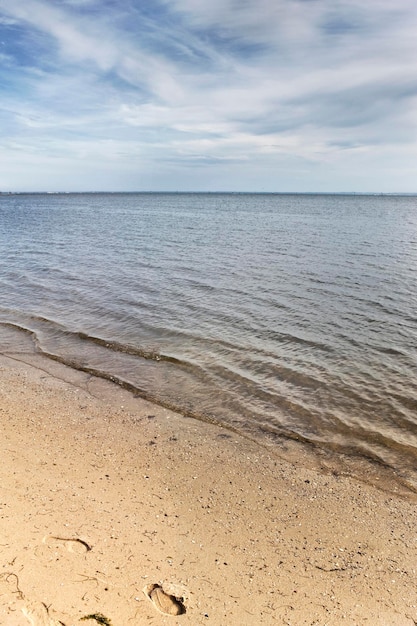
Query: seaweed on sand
{"points": [[99, 617]]}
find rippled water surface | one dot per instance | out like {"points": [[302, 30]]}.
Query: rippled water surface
{"points": [[282, 316]]}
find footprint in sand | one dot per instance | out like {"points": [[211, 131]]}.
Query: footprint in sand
{"points": [[17, 610], [78, 546], [164, 602], [38, 615]]}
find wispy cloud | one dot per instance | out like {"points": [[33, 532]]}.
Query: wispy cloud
{"points": [[263, 95]]}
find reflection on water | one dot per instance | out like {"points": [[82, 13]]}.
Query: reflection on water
{"points": [[280, 316]]}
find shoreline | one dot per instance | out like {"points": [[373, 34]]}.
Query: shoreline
{"points": [[104, 495], [20, 343]]}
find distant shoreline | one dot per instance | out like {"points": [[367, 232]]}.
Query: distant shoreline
{"points": [[242, 193]]}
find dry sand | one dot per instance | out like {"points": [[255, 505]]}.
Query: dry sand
{"points": [[103, 495]]}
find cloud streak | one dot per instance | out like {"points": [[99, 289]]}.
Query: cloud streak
{"points": [[298, 95]]}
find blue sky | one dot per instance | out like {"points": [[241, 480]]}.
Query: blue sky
{"points": [[239, 95]]}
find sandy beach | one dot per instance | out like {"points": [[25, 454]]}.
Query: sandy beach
{"points": [[115, 511]]}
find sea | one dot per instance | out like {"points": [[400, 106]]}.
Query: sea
{"points": [[290, 319]]}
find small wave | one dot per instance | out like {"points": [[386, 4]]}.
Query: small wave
{"points": [[154, 355]]}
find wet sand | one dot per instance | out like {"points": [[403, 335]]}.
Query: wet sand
{"points": [[116, 511]]}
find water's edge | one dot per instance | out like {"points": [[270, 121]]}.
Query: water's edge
{"points": [[19, 342]]}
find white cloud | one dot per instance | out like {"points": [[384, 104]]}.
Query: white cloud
{"points": [[83, 40]]}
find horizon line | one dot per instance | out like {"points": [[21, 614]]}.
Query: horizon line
{"points": [[178, 192]]}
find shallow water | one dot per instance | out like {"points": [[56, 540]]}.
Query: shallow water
{"points": [[280, 316]]}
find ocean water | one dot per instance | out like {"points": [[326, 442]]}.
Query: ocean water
{"points": [[283, 317]]}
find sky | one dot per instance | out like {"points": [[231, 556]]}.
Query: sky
{"points": [[208, 95]]}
